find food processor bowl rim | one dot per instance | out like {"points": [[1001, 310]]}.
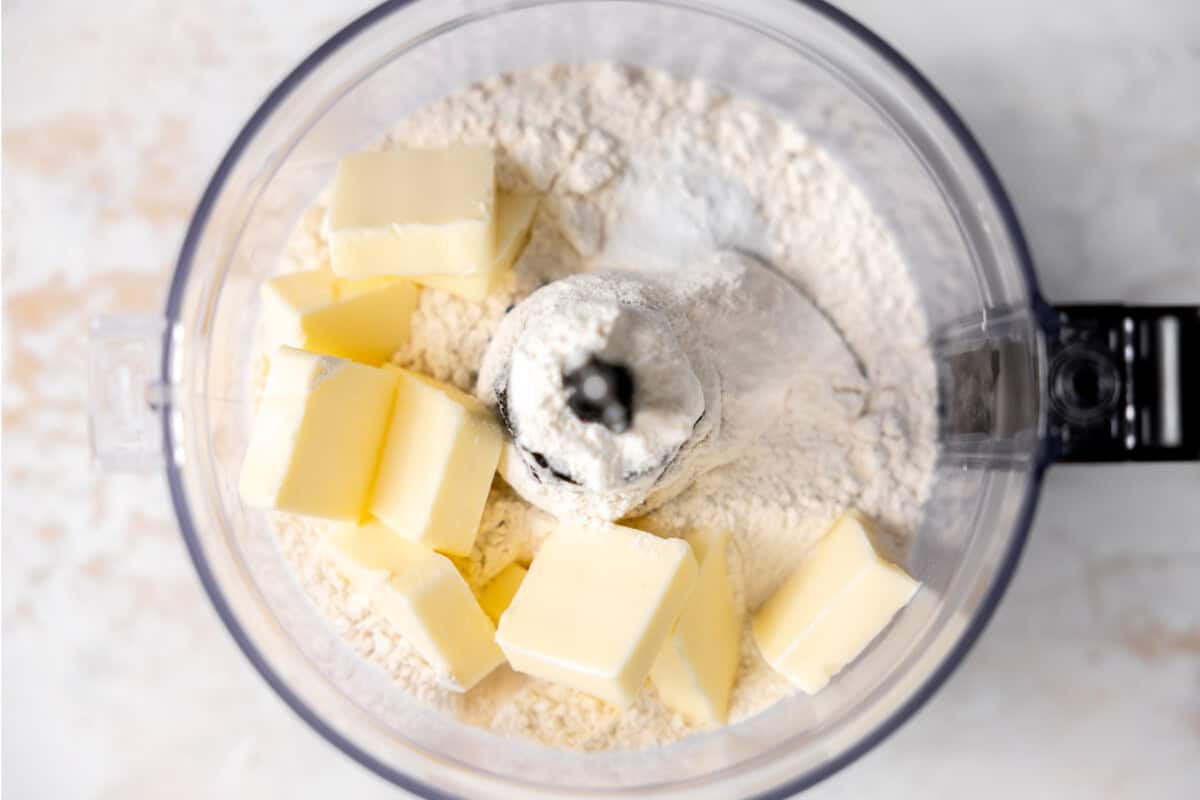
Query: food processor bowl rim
{"points": [[900, 715]]}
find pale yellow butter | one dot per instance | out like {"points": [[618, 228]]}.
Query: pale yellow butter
{"points": [[424, 597], [498, 594], [694, 671], [596, 607], [317, 435], [841, 597], [514, 216], [437, 464], [364, 320], [413, 212]]}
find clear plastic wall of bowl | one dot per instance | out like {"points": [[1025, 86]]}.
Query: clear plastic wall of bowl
{"points": [[853, 99]]}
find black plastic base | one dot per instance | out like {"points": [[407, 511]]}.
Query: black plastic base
{"points": [[1124, 383]]}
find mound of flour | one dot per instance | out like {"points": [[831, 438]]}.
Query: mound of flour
{"points": [[641, 167], [714, 343]]}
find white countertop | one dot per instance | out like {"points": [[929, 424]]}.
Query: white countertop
{"points": [[118, 679]]}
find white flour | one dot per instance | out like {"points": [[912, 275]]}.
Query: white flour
{"points": [[633, 164], [713, 343], [574, 468]]}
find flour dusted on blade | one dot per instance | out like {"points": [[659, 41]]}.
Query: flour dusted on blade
{"points": [[710, 349], [640, 170]]}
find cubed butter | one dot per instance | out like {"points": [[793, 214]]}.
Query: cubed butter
{"points": [[841, 597], [498, 594], [364, 320], [694, 671], [438, 460], [316, 438], [413, 212], [596, 607], [514, 216], [423, 596]]}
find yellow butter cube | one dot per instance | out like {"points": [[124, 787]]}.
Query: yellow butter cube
{"points": [[498, 594], [413, 212], [694, 671], [514, 216], [423, 596], [438, 460], [317, 435], [596, 607], [841, 597], [364, 320]]}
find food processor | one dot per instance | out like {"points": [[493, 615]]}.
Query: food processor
{"points": [[1022, 384]]}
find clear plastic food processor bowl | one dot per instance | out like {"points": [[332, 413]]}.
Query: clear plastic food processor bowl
{"points": [[843, 86]]}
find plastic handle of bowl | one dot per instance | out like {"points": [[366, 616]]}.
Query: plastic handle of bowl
{"points": [[127, 398], [1124, 382]]}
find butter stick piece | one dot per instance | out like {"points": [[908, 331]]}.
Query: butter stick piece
{"points": [[841, 597], [413, 212], [514, 216], [317, 435], [596, 607], [364, 320], [498, 594], [420, 593], [695, 669], [438, 460]]}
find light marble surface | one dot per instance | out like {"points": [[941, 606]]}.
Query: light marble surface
{"points": [[118, 680]]}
